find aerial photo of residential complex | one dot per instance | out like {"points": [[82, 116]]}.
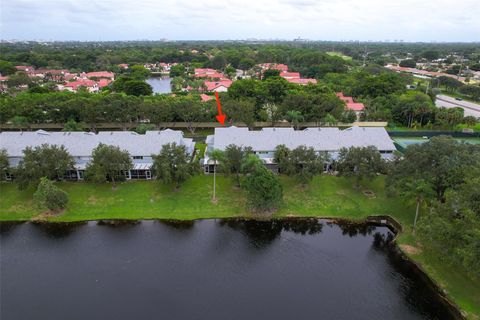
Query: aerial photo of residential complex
{"points": [[282, 159]]}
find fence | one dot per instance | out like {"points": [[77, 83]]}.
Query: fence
{"points": [[180, 125]]}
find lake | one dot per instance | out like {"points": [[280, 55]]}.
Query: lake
{"points": [[208, 269], [160, 84]]}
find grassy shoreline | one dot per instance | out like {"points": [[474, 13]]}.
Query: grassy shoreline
{"points": [[325, 197]]}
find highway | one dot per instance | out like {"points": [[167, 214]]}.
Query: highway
{"points": [[471, 109]]}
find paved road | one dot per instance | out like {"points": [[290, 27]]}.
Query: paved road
{"points": [[471, 109]]}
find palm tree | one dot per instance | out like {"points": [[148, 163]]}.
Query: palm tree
{"points": [[418, 190], [215, 155], [295, 117]]}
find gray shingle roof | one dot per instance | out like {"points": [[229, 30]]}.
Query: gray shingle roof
{"points": [[82, 143], [321, 139]]}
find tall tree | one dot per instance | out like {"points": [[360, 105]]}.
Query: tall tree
{"points": [[301, 162], [360, 163], [241, 110], [441, 162], [189, 111], [137, 88], [4, 164], [50, 161], [295, 118], [6, 68], [173, 165], [109, 163], [233, 158], [417, 190], [263, 189]]}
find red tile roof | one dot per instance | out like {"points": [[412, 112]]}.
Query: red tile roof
{"points": [[302, 81], [344, 98], [212, 85], [205, 97], [349, 103], [103, 82], [209, 73], [25, 68], [100, 74], [290, 75], [81, 83], [52, 71], [276, 66], [204, 71]]}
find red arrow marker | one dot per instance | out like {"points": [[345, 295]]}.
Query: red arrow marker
{"points": [[221, 117]]}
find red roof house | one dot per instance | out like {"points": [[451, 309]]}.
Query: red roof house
{"points": [[26, 69], [208, 73], [302, 81], [100, 74], [205, 97], [290, 75], [218, 86], [91, 85], [276, 66], [350, 104]]}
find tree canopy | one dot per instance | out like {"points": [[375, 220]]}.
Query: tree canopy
{"points": [[173, 165], [48, 195], [360, 163], [263, 190], [50, 161], [109, 163]]}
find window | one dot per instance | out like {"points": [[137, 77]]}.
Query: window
{"points": [[137, 157]]}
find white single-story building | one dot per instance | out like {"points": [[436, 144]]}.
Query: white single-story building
{"points": [[81, 144], [330, 140]]}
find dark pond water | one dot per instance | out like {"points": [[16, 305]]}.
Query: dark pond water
{"points": [[210, 269], [160, 84]]}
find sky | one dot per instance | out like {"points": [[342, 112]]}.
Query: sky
{"points": [[336, 20]]}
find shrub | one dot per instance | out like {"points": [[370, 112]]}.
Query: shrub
{"points": [[50, 196]]}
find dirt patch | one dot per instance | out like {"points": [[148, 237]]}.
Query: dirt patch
{"points": [[410, 249], [47, 214], [341, 192], [369, 193], [92, 200]]}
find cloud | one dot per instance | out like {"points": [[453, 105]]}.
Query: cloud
{"points": [[411, 20]]}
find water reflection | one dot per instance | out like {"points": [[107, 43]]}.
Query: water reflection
{"points": [[6, 228], [353, 229], [59, 230], [165, 270], [178, 224], [263, 232], [118, 223], [382, 240]]}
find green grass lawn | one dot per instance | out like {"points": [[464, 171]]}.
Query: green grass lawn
{"points": [[325, 196], [339, 54]]}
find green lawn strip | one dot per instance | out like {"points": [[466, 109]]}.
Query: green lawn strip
{"points": [[462, 289], [339, 54], [325, 196]]}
